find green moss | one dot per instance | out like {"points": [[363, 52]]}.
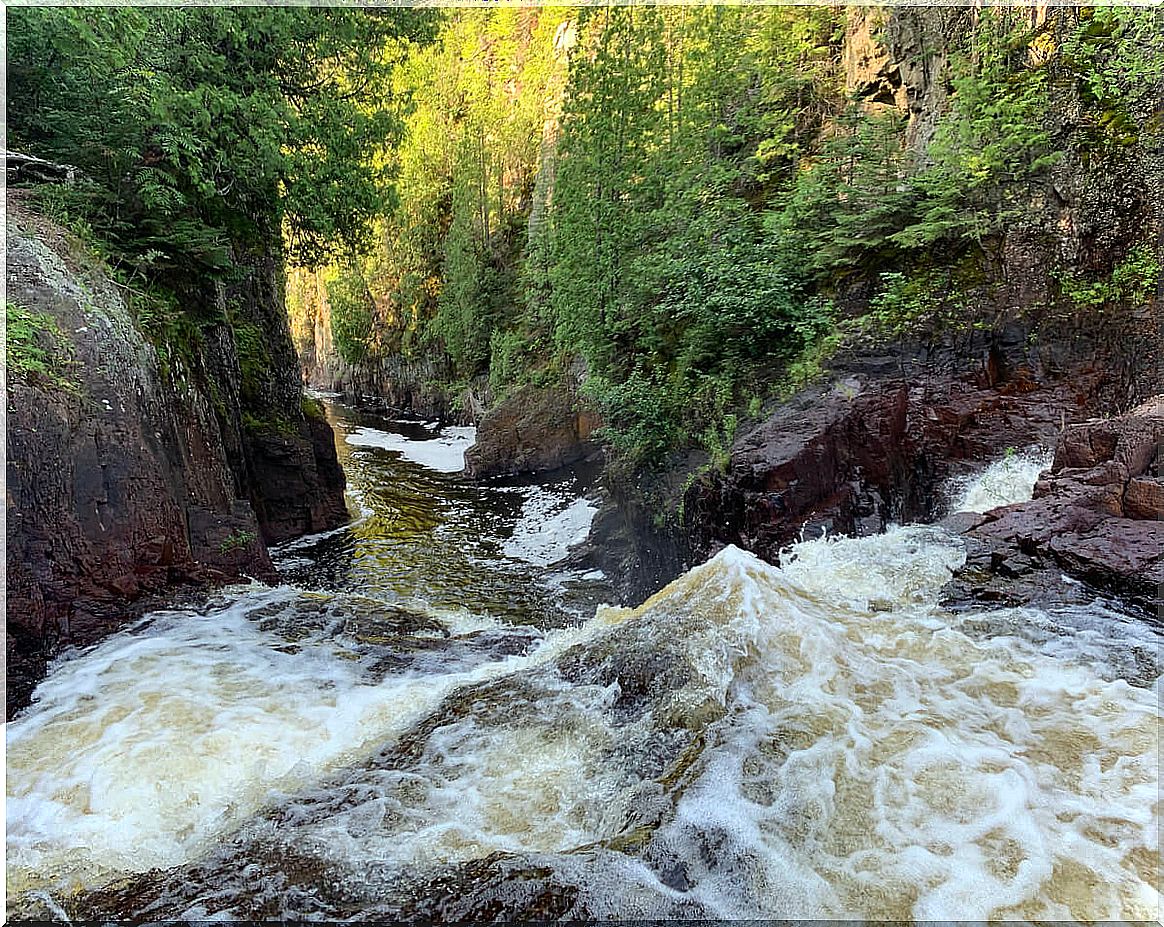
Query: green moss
{"points": [[36, 349], [254, 361], [312, 409], [273, 424]]}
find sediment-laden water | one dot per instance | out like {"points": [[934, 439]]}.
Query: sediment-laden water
{"points": [[431, 719]]}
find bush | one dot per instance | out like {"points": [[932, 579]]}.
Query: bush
{"points": [[37, 350], [1132, 281]]}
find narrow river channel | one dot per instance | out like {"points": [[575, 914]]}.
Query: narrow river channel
{"points": [[435, 717]]}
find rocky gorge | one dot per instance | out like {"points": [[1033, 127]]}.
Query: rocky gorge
{"points": [[132, 473], [1022, 337]]}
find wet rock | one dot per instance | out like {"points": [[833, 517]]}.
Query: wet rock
{"points": [[1093, 516], [1144, 497], [302, 479], [532, 430], [127, 477], [866, 451]]}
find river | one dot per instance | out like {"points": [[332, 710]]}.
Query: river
{"points": [[435, 717]]}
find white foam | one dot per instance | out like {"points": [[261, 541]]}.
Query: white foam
{"points": [[860, 752], [445, 453], [146, 750], [550, 524], [1006, 481], [879, 763]]}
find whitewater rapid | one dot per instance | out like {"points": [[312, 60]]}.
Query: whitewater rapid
{"points": [[1005, 481], [820, 739]]}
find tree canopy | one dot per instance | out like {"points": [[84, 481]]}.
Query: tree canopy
{"points": [[199, 128]]}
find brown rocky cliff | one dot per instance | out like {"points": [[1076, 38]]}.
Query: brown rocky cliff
{"points": [[127, 477], [533, 429]]}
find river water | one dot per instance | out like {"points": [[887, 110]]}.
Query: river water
{"points": [[434, 717]]}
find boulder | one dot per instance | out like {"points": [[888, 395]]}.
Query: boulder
{"points": [[532, 430], [1095, 515]]}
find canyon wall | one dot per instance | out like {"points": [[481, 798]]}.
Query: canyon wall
{"points": [[133, 468]]}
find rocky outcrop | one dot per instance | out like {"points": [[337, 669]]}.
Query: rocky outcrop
{"points": [[1094, 515], [532, 430], [864, 451], [130, 473]]}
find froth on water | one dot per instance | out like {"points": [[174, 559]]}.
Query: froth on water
{"points": [[819, 740]]}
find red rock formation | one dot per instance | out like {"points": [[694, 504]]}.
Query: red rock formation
{"points": [[124, 480], [866, 451], [532, 430], [1096, 514]]}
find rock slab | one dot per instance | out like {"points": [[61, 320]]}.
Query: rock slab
{"points": [[532, 430]]}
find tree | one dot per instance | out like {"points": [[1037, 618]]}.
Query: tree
{"points": [[203, 128]]}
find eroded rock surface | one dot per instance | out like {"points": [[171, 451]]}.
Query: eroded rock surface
{"points": [[1095, 515], [127, 474], [865, 451], [530, 431]]}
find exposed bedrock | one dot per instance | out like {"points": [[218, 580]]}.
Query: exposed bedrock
{"points": [[532, 430], [1095, 516], [130, 474], [862, 452], [881, 441]]}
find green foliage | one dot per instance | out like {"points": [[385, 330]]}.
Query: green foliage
{"points": [[517, 357], [639, 415], [1133, 281], [809, 366], [444, 273], [211, 142], [65, 205], [254, 360], [36, 350], [867, 200], [662, 272], [312, 409], [717, 441], [237, 540], [271, 424], [683, 203], [202, 128], [910, 303], [996, 136], [1116, 57], [352, 314]]}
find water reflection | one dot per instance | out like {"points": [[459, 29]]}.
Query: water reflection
{"points": [[421, 535]]}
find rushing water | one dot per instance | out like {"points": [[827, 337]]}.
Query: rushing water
{"points": [[1007, 480], [430, 719]]}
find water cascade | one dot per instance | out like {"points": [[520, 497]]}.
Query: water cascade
{"points": [[820, 739]]}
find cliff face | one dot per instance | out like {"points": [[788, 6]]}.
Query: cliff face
{"points": [[892, 420], [130, 473], [1087, 211], [404, 383]]}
